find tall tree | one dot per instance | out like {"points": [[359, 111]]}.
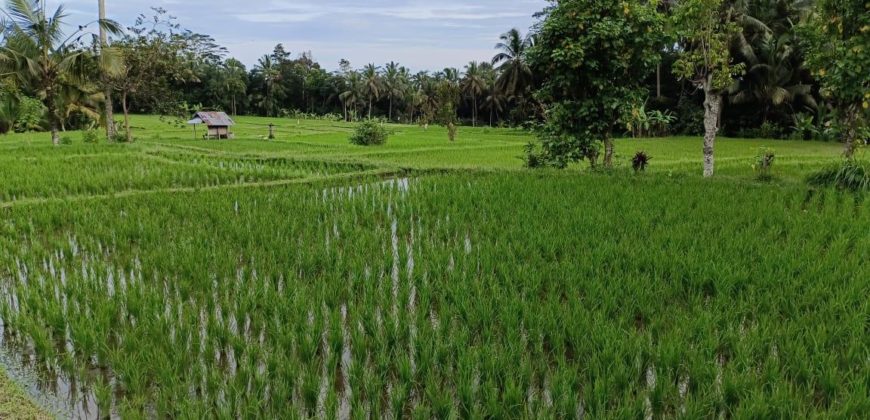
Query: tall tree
{"points": [[269, 72], [473, 85], [392, 84], [42, 59], [515, 73], [705, 29], [837, 37], [352, 93], [107, 86], [372, 85], [596, 55]]}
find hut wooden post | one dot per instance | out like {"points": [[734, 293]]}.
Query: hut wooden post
{"points": [[271, 131]]}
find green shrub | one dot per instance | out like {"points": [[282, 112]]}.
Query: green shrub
{"points": [[370, 132], [30, 114], [851, 175], [66, 140], [640, 161], [763, 165], [91, 136]]}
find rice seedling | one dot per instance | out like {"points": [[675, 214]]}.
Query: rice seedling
{"points": [[423, 296]]}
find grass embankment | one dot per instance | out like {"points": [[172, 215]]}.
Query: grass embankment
{"points": [[15, 405]]}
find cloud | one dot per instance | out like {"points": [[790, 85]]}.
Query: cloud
{"points": [[421, 34]]}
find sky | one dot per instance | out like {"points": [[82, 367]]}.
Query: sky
{"points": [[420, 34]]}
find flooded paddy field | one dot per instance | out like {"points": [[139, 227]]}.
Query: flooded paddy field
{"points": [[443, 295], [305, 277]]}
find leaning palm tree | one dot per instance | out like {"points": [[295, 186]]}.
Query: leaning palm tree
{"points": [[372, 85], [473, 85], [42, 60], [515, 73]]}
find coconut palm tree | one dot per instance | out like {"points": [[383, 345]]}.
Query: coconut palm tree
{"points": [[473, 85], [772, 78], [352, 93], [111, 133], [372, 85], [270, 72], [393, 83], [515, 73], [42, 59], [494, 103]]}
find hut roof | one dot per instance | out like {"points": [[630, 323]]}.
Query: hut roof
{"points": [[212, 119]]}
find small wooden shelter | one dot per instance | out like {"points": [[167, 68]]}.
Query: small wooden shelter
{"points": [[218, 124]]}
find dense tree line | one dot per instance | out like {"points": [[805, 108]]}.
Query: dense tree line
{"points": [[156, 66]]}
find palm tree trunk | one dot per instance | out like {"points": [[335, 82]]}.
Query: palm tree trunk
{"points": [[55, 135], [107, 89], [712, 108], [52, 116], [490, 117], [370, 107], [391, 108], [474, 111]]}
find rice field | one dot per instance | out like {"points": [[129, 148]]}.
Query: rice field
{"points": [[308, 278]]}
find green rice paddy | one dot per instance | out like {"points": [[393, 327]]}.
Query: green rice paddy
{"points": [[305, 277]]}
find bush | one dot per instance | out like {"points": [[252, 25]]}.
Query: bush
{"points": [[851, 175], [640, 161], [67, 140], [91, 136], [30, 115], [763, 165], [370, 132]]}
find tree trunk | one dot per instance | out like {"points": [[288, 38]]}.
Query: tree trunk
{"points": [[712, 108], [107, 89], [851, 133], [490, 118], [474, 111], [55, 135], [52, 116], [391, 108], [126, 118], [659, 81], [608, 151], [370, 108]]}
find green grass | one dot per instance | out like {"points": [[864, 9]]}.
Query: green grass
{"points": [[470, 287], [14, 404]]}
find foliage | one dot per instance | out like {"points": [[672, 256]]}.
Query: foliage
{"points": [[595, 54], [837, 40], [804, 127], [640, 161], [370, 132], [44, 61], [29, 115], [91, 136], [641, 122], [763, 165], [705, 28], [851, 174]]}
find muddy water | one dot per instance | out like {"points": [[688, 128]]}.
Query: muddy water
{"points": [[58, 394]]}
